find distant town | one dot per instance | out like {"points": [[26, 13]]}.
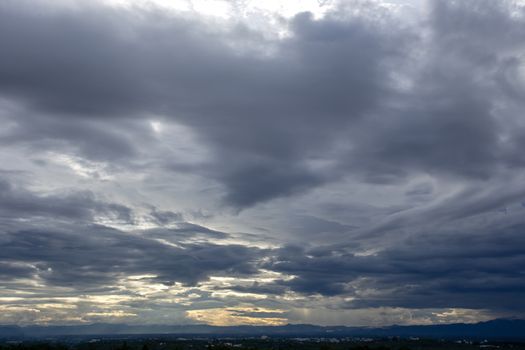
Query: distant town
{"points": [[134, 342]]}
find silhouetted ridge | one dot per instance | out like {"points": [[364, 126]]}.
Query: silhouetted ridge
{"points": [[495, 329]]}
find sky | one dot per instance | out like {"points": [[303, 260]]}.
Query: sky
{"points": [[252, 162]]}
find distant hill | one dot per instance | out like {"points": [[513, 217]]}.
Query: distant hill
{"points": [[502, 329]]}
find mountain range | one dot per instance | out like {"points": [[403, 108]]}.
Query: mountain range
{"points": [[504, 329]]}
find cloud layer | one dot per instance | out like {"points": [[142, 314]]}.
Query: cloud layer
{"points": [[365, 163]]}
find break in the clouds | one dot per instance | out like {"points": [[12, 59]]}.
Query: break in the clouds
{"points": [[351, 162]]}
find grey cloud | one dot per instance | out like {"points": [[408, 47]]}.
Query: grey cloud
{"points": [[8, 270], [184, 230], [421, 189], [88, 256], [91, 139], [473, 205], [434, 270], [165, 217], [268, 118], [450, 119], [266, 122], [244, 313], [457, 138], [278, 111], [18, 203], [266, 180], [260, 288], [429, 112], [308, 225]]}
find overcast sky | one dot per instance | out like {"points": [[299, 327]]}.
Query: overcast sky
{"points": [[262, 162]]}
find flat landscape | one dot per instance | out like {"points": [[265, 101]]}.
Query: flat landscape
{"points": [[160, 343]]}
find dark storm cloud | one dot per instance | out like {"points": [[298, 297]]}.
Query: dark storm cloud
{"points": [[8, 270], [19, 203], [455, 136], [464, 252], [50, 237], [264, 116], [482, 270], [478, 201], [452, 120], [91, 139], [90, 256]]}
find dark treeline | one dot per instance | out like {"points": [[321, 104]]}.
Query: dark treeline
{"points": [[262, 344]]}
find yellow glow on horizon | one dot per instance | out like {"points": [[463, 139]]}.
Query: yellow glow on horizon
{"points": [[116, 313], [234, 316], [230, 293]]}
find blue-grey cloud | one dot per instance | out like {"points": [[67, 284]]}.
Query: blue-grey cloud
{"points": [[371, 156]]}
